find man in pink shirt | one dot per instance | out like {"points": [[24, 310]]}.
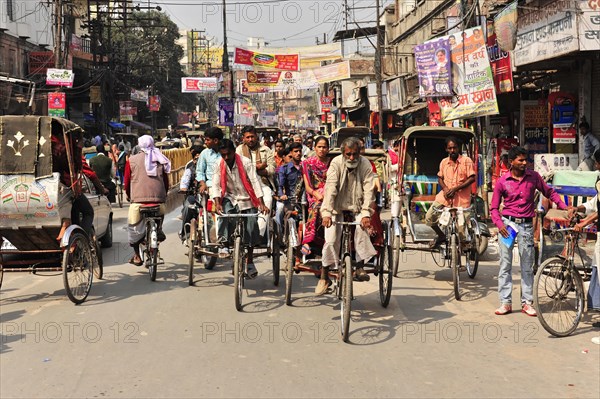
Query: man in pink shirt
{"points": [[455, 177], [517, 189]]}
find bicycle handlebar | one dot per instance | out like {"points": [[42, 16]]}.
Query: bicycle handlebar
{"points": [[348, 223], [238, 215]]}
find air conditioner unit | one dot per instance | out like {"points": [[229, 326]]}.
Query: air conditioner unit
{"points": [[4, 24], [23, 30]]}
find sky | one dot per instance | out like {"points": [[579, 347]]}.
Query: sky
{"points": [[282, 23]]}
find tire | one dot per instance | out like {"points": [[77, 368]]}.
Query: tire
{"points": [[152, 255], [77, 267], [275, 253], [120, 194], [395, 256], [191, 243], [346, 305], [107, 239], [454, 265], [289, 272], [558, 296], [472, 258], [238, 272], [386, 276], [482, 245], [99, 260]]}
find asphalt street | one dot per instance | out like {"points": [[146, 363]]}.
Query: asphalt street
{"points": [[137, 338]]}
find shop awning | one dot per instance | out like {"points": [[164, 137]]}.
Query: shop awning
{"points": [[412, 108], [116, 125], [140, 125]]}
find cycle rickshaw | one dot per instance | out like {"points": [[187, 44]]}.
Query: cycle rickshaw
{"points": [[29, 208], [421, 150]]}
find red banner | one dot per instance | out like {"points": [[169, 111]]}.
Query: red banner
{"points": [[56, 104], [154, 103], [283, 62], [263, 78], [500, 63]]}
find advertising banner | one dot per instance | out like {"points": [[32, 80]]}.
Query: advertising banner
{"points": [[505, 26], [550, 163], [500, 62], [332, 72], [589, 25], [95, 95], [245, 88], [564, 133], [199, 85], [56, 104], [396, 94], [546, 32], [282, 62], [433, 66], [126, 110], [139, 95], [59, 77], [472, 77], [154, 103], [226, 112], [263, 78]]}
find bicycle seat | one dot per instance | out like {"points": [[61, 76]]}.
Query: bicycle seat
{"points": [[149, 208]]}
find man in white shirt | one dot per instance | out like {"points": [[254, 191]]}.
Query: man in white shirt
{"points": [[237, 189]]}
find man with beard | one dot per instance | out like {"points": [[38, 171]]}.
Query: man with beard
{"points": [[455, 177], [348, 188]]}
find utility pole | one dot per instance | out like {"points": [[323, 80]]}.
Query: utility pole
{"points": [[345, 24], [378, 72], [58, 16]]}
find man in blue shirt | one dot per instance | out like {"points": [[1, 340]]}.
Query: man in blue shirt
{"points": [[290, 184], [208, 159]]}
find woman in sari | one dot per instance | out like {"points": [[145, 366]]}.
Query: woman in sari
{"points": [[315, 174]]}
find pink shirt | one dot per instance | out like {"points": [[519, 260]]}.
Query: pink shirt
{"points": [[519, 195], [454, 174]]}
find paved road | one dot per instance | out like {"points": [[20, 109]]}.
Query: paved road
{"points": [[136, 338]]}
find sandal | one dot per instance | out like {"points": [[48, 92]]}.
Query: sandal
{"points": [[133, 262], [305, 250], [435, 243]]}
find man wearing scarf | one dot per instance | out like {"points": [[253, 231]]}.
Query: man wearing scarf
{"points": [[146, 182], [349, 188], [237, 189], [262, 158]]}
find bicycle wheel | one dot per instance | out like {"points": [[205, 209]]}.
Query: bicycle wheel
{"points": [[77, 267], [454, 265], [96, 252], [151, 237], [472, 257], [558, 296], [120, 194], [385, 276], [238, 272], [191, 243], [346, 305], [396, 240], [289, 271], [275, 253]]}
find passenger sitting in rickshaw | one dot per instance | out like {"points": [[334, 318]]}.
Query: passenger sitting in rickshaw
{"points": [[188, 187], [146, 181], [349, 187], [377, 229], [315, 175], [237, 189], [290, 187], [455, 177], [392, 169]]}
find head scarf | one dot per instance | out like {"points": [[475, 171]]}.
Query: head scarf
{"points": [[153, 156]]}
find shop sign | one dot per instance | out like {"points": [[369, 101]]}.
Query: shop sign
{"points": [[199, 85], [546, 32], [564, 133], [433, 66], [139, 95], [282, 62], [95, 95], [325, 104], [333, 72], [474, 84], [59, 77], [56, 104], [589, 25]]}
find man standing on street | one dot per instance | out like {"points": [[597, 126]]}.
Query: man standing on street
{"points": [[517, 189], [590, 146]]}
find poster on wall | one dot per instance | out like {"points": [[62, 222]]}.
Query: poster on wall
{"points": [[472, 78], [545, 164], [56, 104], [226, 112], [434, 69], [499, 62]]}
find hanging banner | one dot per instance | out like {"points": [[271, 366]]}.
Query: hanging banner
{"points": [[546, 32], [332, 72], [435, 118], [433, 66], [589, 25], [505, 26], [95, 95], [154, 103], [263, 78], [199, 85], [139, 95], [245, 88], [126, 111], [473, 81], [59, 77], [283, 62], [226, 112], [56, 104], [500, 62]]}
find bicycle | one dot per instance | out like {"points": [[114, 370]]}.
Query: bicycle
{"points": [[558, 293], [119, 189], [149, 251], [452, 249], [198, 240]]}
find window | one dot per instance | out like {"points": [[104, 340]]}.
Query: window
{"points": [[10, 9]]}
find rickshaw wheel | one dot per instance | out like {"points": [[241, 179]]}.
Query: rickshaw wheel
{"points": [[77, 267], [346, 305], [289, 272], [191, 243], [472, 257], [454, 265], [385, 272], [238, 272], [99, 260], [275, 253], [395, 253]]}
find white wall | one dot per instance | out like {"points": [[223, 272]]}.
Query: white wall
{"points": [[29, 18]]}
